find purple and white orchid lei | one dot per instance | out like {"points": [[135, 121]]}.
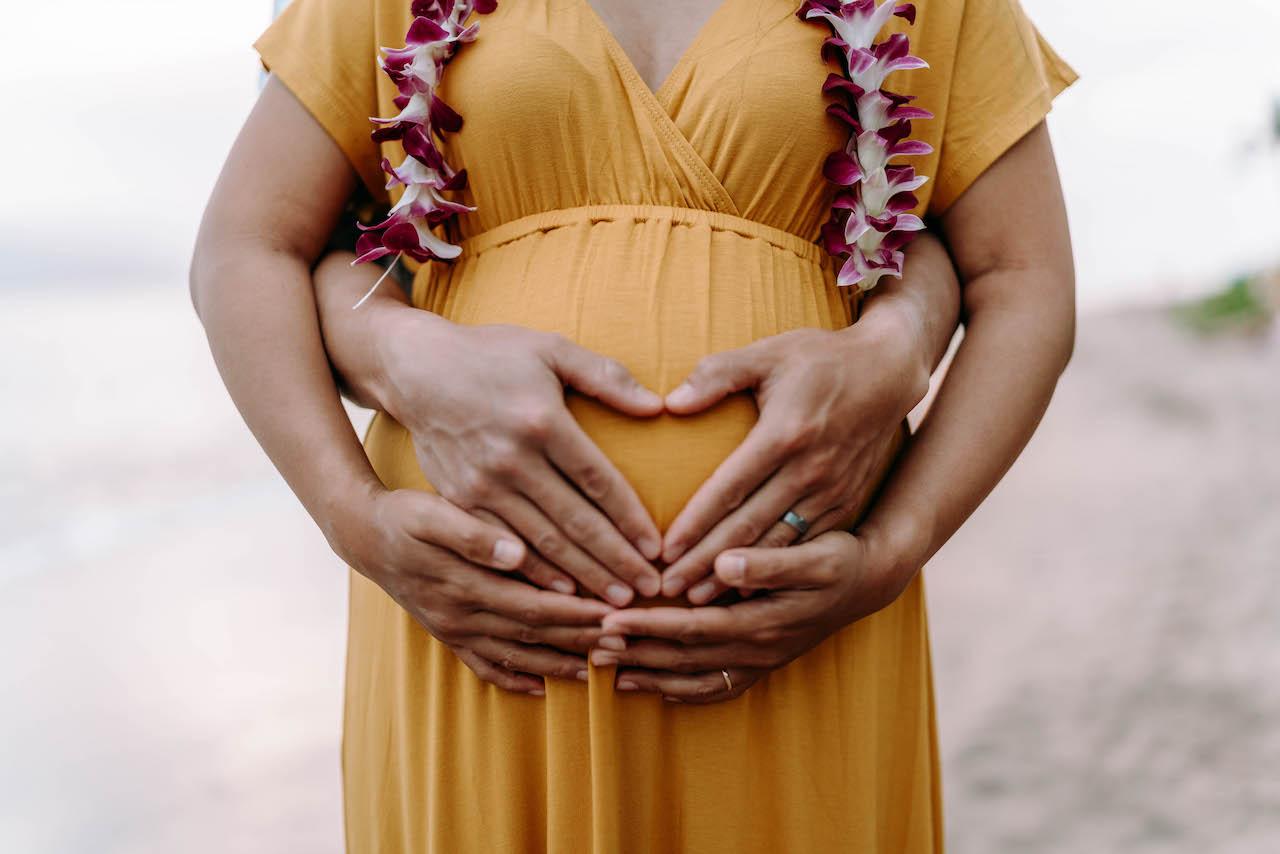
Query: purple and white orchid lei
{"points": [[870, 220], [439, 28], [870, 217]]}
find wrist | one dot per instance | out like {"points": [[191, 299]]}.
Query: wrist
{"points": [[392, 325], [894, 328], [897, 547], [342, 513]]}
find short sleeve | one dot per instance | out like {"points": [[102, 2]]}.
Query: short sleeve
{"points": [[325, 52], [1004, 79]]}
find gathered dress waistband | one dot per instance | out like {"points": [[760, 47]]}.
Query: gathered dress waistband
{"points": [[545, 221]]}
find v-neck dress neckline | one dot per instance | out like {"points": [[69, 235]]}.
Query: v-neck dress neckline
{"points": [[656, 103], [660, 94]]}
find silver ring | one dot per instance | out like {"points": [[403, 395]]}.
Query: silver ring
{"points": [[728, 683], [796, 521]]}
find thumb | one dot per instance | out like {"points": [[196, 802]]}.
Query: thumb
{"points": [[817, 563], [717, 376], [605, 379]]}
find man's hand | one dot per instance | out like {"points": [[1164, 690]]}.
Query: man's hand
{"points": [[814, 589], [830, 404], [438, 563]]}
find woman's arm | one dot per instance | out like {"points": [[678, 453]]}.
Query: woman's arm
{"points": [[506, 446], [1009, 237], [270, 214]]}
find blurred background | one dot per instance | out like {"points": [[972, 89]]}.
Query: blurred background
{"points": [[1106, 630]]}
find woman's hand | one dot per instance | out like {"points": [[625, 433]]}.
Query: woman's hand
{"points": [[485, 406], [814, 589], [437, 562]]}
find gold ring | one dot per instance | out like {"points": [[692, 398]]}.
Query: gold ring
{"points": [[728, 683]]}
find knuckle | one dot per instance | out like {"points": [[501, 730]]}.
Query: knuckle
{"points": [[690, 634], [827, 571], [469, 489], [527, 634], [584, 638], [503, 465], [796, 434], [550, 545], [532, 615], [445, 626], [814, 472], [472, 540], [578, 527], [613, 372], [746, 530], [594, 482], [767, 635], [509, 661], [533, 423]]}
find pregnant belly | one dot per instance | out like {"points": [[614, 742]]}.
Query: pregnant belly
{"points": [[655, 294]]}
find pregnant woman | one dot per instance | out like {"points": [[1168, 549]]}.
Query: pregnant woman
{"points": [[646, 235]]}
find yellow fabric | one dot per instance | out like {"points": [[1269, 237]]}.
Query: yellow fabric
{"points": [[655, 228]]}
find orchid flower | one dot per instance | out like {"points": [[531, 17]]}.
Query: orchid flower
{"points": [[870, 217], [439, 27]]}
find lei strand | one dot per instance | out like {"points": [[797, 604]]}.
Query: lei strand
{"points": [[439, 28], [870, 220]]}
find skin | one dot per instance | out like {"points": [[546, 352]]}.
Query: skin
{"points": [[1011, 245], [654, 34], [245, 283], [276, 202]]}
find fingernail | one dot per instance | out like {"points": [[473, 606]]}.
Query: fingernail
{"points": [[538, 692], [582, 676], [733, 568], [612, 642], [563, 585], [702, 592], [681, 396], [628, 685], [507, 553], [672, 700], [650, 585], [618, 595], [600, 658]]}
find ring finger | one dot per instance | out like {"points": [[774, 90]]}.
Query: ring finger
{"points": [[521, 658], [699, 688], [678, 658]]}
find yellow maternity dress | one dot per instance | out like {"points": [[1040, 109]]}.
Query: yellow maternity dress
{"points": [[655, 227]]}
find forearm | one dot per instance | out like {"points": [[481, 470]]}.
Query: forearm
{"points": [[995, 393], [924, 305], [259, 314], [355, 339]]}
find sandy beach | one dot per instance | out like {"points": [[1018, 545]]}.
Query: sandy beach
{"points": [[1106, 630]]}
